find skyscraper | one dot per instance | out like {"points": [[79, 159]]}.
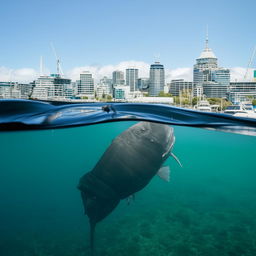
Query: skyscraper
{"points": [[131, 78], [118, 78], [206, 62], [156, 79], [86, 84], [206, 74]]}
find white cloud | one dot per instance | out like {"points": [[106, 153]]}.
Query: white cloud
{"points": [[17, 75], [179, 73], [5, 74], [238, 74], [186, 73], [101, 71]]}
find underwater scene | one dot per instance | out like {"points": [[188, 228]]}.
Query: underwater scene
{"points": [[208, 207]]}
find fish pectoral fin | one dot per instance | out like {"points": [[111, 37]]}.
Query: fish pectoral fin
{"points": [[164, 173], [176, 158]]}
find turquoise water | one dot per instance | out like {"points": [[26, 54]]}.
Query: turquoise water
{"points": [[207, 208]]}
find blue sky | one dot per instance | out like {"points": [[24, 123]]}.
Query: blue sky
{"points": [[99, 33]]}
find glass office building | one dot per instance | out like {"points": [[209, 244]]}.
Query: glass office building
{"points": [[156, 79], [178, 86], [86, 85], [118, 78], [132, 78], [241, 91], [206, 74]]}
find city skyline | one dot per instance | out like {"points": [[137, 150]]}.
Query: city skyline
{"points": [[93, 37]]}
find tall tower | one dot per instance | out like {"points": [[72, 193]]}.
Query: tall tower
{"points": [[118, 77], [213, 81], [156, 79], [86, 84], [206, 61], [132, 75]]}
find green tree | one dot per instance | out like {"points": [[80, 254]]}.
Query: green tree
{"points": [[109, 97], [163, 94], [254, 102], [194, 101], [176, 99], [185, 101]]}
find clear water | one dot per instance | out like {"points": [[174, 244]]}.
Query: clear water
{"points": [[207, 208]]}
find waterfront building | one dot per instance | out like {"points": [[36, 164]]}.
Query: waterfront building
{"points": [[143, 84], [69, 91], [212, 89], [134, 95], [206, 73], [198, 91], [132, 78], [50, 87], [25, 90], [86, 85], [9, 90], [118, 78], [121, 92], [241, 91], [104, 87], [178, 86], [74, 86], [156, 79], [108, 83]]}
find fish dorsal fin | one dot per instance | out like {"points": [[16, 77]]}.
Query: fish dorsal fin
{"points": [[164, 173]]}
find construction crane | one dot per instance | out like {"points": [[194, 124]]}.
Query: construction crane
{"points": [[59, 69], [250, 62]]}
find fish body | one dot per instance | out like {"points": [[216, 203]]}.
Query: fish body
{"points": [[127, 166]]}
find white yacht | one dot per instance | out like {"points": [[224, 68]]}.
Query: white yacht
{"points": [[203, 105], [241, 110]]}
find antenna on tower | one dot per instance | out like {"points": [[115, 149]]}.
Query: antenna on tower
{"points": [[59, 69], [157, 57], [207, 38], [41, 66]]}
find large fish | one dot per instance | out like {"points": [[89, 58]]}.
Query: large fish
{"points": [[127, 166]]}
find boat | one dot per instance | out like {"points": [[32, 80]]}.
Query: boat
{"points": [[241, 110], [203, 105]]}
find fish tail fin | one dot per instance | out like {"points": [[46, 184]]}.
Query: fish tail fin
{"points": [[92, 231]]}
